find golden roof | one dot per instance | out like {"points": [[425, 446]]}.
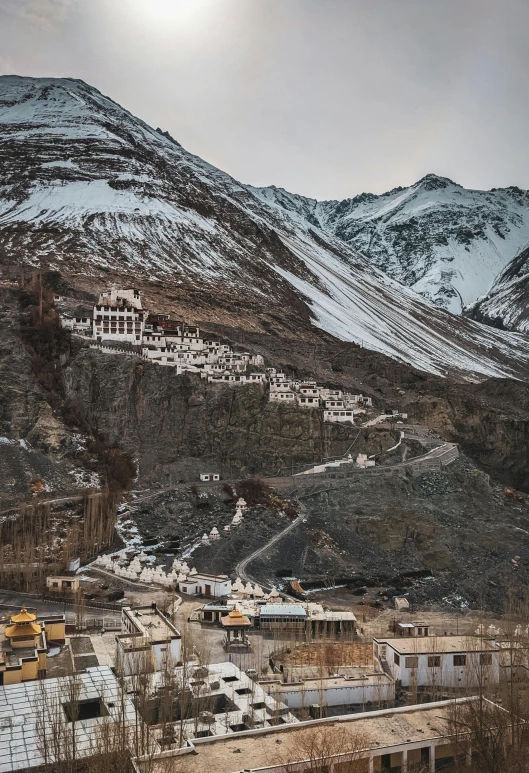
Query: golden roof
{"points": [[23, 629], [23, 616], [235, 619]]}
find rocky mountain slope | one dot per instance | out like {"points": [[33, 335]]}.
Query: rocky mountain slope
{"points": [[96, 193], [506, 305], [445, 242]]}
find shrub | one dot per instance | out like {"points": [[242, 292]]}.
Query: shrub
{"points": [[255, 492]]}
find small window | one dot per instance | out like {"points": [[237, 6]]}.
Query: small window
{"points": [[485, 659], [460, 660], [434, 661], [396, 659], [411, 662]]}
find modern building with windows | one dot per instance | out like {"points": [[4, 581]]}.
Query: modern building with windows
{"points": [[282, 616], [454, 662]]}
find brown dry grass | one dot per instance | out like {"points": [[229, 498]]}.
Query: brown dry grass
{"points": [[337, 653]]}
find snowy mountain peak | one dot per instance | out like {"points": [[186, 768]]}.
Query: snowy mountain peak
{"points": [[444, 241], [97, 194], [433, 182]]}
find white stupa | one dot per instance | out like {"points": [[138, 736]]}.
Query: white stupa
{"points": [[241, 504], [238, 586], [214, 533], [248, 590], [193, 572], [204, 540]]}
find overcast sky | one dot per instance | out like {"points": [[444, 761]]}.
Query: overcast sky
{"points": [[323, 97]]}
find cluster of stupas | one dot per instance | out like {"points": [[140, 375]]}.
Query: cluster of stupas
{"points": [[139, 571], [211, 537], [240, 508], [248, 591]]}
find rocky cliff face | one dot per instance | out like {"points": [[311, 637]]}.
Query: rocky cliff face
{"points": [[178, 426], [34, 443]]}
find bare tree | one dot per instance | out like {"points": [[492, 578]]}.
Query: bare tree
{"points": [[321, 747]]}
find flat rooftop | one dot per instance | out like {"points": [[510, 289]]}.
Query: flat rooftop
{"points": [[151, 624], [21, 705], [439, 644], [279, 746], [332, 615], [283, 610], [326, 683]]}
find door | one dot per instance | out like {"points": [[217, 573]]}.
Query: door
{"points": [[208, 590]]}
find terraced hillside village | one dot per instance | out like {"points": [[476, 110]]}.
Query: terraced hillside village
{"points": [[175, 341]]}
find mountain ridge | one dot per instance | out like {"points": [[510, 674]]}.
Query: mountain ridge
{"points": [[97, 194], [449, 248]]}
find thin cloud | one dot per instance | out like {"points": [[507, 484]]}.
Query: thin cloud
{"points": [[7, 66], [41, 13]]}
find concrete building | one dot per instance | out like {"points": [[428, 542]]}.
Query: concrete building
{"points": [[308, 401], [282, 617], [37, 716], [323, 623], [452, 662], [206, 477], [81, 324], [280, 396], [63, 583], [353, 692], [338, 415], [392, 740], [225, 701], [149, 642], [412, 630]]}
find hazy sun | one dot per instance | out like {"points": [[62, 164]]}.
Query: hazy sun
{"points": [[159, 12]]}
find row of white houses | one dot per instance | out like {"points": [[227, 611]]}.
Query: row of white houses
{"points": [[119, 317], [338, 406]]}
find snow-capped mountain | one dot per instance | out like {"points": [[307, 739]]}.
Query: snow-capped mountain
{"points": [[91, 190], [506, 305], [445, 242]]}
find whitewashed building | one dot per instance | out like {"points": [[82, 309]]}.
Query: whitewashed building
{"points": [[366, 688], [149, 641], [118, 316], [308, 401], [214, 585], [442, 661], [338, 415]]}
